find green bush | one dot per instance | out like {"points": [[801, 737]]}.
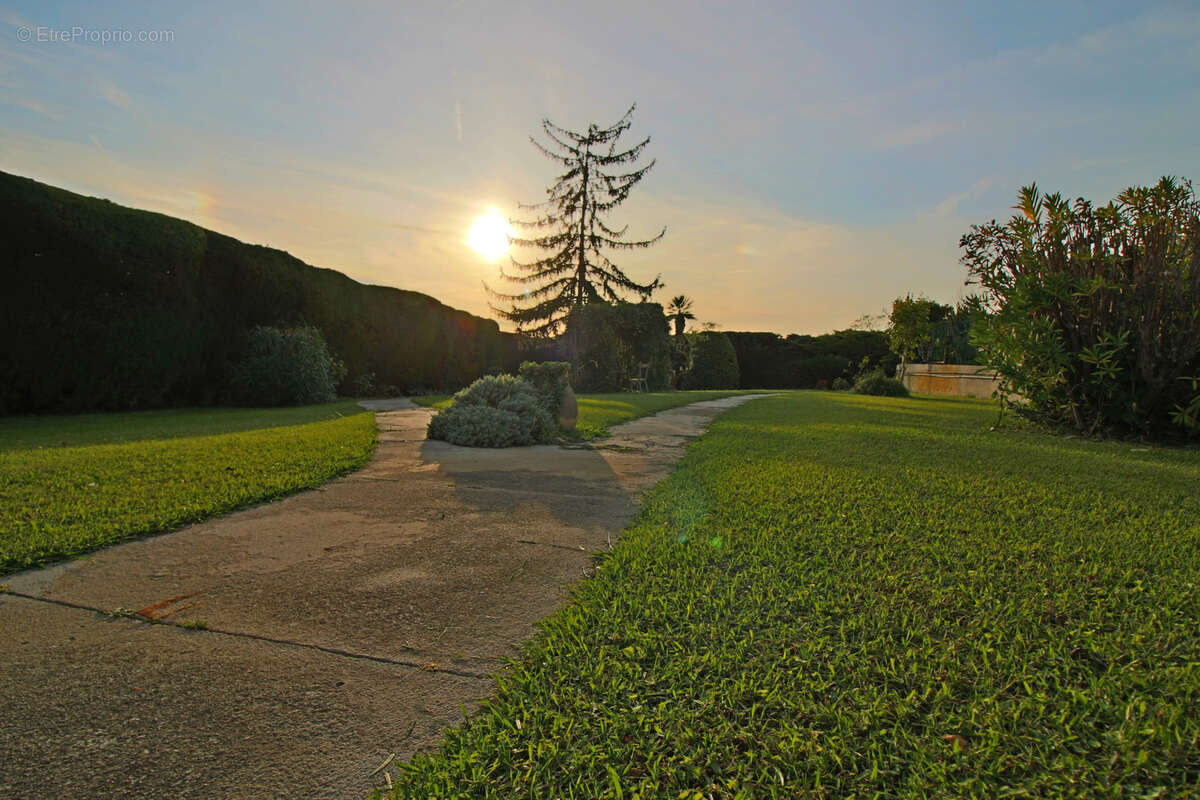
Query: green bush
{"points": [[714, 362], [1094, 310], [495, 411], [681, 359], [880, 385], [491, 390], [285, 367], [476, 426], [550, 380], [840, 385], [364, 385], [811, 372]]}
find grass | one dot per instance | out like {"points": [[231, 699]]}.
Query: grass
{"points": [[841, 596], [69, 485], [598, 411], [19, 433]]}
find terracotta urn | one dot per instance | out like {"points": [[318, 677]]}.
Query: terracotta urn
{"points": [[568, 410]]}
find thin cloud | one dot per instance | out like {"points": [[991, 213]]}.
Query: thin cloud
{"points": [[915, 134], [951, 203]]}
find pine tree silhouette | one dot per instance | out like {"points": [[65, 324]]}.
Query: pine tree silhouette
{"points": [[572, 231]]}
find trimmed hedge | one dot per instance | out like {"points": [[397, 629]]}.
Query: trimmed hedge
{"points": [[770, 361], [714, 362], [107, 307]]}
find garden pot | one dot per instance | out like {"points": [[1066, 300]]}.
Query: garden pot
{"points": [[568, 410]]}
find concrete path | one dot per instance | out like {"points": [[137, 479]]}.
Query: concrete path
{"points": [[341, 625]]}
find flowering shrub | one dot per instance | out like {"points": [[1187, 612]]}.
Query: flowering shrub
{"points": [[1094, 310]]}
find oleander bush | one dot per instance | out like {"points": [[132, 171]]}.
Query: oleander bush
{"points": [[1094, 315], [495, 411], [286, 367]]}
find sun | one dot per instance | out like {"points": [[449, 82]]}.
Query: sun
{"points": [[489, 235]]}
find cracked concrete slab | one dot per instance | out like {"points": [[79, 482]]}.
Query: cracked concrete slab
{"points": [[97, 707], [433, 563]]}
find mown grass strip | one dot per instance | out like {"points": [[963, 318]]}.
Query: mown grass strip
{"points": [[597, 412], [843, 596], [23, 432], [57, 502]]}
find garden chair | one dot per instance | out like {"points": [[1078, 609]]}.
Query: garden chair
{"points": [[640, 384]]}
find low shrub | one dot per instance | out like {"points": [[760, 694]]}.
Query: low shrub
{"points": [[491, 390], [477, 426], [495, 411], [364, 385], [880, 385], [550, 380], [286, 366], [840, 385], [714, 362], [810, 373]]}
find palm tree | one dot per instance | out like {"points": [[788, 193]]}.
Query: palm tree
{"points": [[680, 311]]}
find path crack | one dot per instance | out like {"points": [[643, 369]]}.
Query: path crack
{"points": [[426, 666], [574, 548]]}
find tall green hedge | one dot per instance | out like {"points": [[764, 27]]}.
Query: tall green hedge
{"points": [[771, 361], [605, 343], [107, 307], [714, 362]]}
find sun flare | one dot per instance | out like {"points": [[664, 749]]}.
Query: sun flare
{"points": [[489, 235]]}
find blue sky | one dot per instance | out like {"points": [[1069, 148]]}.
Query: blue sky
{"points": [[815, 160]]}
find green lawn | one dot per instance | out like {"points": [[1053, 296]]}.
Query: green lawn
{"points": [[843, 596], [17, 433], [598, 411], [71, 484]]}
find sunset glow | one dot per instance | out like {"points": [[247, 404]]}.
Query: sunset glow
{"points": [[489, 235]]}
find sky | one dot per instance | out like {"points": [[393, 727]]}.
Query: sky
{"points": [[814, 160]]}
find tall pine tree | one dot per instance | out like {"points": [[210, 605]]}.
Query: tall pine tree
{"points": [[571, 230]]}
